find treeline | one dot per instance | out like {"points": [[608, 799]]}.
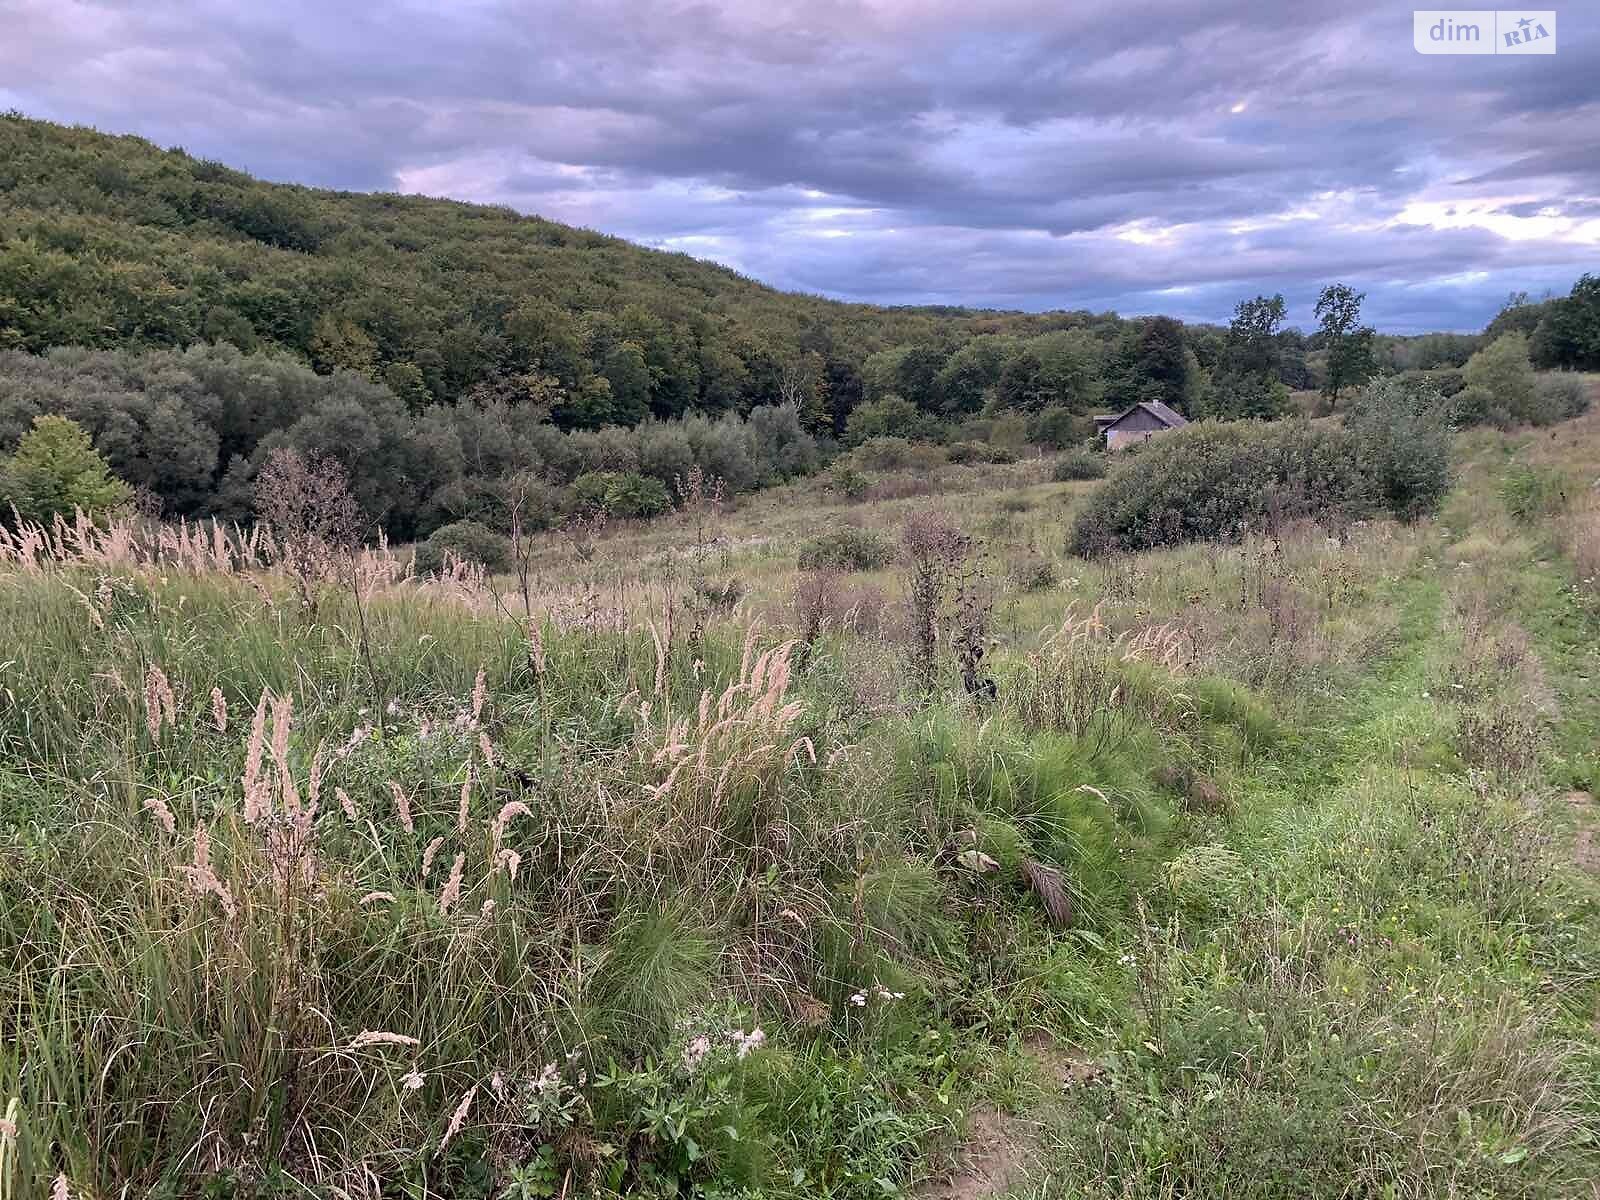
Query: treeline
{"points": [[190, 430]]}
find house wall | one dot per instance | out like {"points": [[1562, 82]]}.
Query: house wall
{"points": [[1137, 426]]}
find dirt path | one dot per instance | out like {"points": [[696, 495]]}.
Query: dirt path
{"points": [[1000, 1146], [1586, 845]]}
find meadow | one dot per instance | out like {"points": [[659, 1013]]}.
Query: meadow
{"points": [[813, 846]]}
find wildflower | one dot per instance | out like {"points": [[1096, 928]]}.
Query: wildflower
{"points": [[457, 1118], [411, 1080], [789, 914], [497, 1082], [486, 910], [158, 807], [378, 1037], [744, 1043], [550, 1078], [695, 1053], [859, 999]]}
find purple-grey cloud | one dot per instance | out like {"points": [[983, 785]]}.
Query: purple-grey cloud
{"points": [[1146, 155]]}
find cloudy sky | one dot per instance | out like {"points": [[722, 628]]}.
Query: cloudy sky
{"points": [[1141, 155]]}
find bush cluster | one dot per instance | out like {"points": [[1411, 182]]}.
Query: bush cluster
{"points": [[1078, 464], [847, 549], [1216, 481], [468, 541]]}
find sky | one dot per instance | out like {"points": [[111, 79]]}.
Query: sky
{"points": [[1141, 155]]}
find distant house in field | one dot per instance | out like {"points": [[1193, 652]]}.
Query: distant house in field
{"points": [[1137, 424]]}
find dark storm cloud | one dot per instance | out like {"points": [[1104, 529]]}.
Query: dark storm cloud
{"points": [[1147, 155]]}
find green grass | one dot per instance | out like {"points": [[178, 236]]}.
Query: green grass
{"points": [[1300, 797]]}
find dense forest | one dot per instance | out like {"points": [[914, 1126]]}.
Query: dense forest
{"points": [[192, 319]]}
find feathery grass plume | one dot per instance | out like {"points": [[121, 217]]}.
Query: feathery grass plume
{"points": [[1045, 882], [457, 1118], [509, 861], [452, 885], [159, 705], [661, 658], [480, 690], [219, 710], [202, 875], [428, 854], [282, 720], [486, 749], [466, 800], [58, 1190], [157, 807], [412, 1080], [379, 1037], [257, 790], [402, 806], [509, 811], [375, 897], [345, 803]]}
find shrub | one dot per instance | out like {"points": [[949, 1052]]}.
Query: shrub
{"points": [[846, 549], [1215, 481], [1078, 464], [895, 454], [619, 494], [1057, 428], [979, 452], [467, 540], [847, 482], [631, 495], [1500, 386], [891, 416], [1530, 492], [1563, 397], [1402, 440], [1033, 572], [55, 471]]}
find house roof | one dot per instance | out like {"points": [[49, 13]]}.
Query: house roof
{"points": [[1169, 417]]}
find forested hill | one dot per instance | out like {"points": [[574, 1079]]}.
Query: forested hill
{"points": [[112, 242]]}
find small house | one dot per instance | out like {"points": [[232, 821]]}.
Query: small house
{"points": [[1137, 424]]}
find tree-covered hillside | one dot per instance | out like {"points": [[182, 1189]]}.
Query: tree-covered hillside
{"points": [[113, 242]]}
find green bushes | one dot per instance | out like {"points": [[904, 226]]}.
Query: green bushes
{"points": [[847, 549], [1530, 492], [1075, 465], [468, 541], [56, 471], [619, 494], [1502, 390], [1215, 481], [1402, 439]]}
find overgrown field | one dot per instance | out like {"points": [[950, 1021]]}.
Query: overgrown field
{"points": [[673, 868]]}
